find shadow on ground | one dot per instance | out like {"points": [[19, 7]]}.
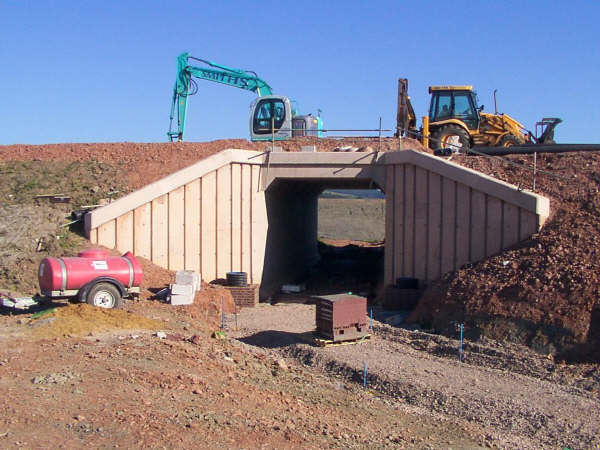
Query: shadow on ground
{"points": [[277, 339]]}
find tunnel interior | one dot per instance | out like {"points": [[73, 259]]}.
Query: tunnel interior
{"points": [[324, 234]]}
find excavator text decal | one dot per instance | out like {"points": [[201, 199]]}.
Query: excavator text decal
{"points": [[224, 78]]}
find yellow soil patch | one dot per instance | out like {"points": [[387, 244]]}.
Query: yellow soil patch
{"points": [[83, 319]]}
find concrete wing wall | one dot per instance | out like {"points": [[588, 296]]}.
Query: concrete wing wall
{"points": [[440, 216], [209, 217]]}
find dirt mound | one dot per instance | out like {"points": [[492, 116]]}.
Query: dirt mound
{"points": [[28, 235], [83, 319], [23, 227], [542, 292], [154, 278], [143, 163], [207, 303]]}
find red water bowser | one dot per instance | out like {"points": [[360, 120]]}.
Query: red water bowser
{"points": [[92, 276]]}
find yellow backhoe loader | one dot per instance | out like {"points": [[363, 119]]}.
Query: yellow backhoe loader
{"points": [[456, 123]]}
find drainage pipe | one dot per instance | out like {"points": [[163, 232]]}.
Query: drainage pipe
{"points": [[534, 148]]}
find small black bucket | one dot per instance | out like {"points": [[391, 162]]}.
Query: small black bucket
{"points": [[237, 279]]}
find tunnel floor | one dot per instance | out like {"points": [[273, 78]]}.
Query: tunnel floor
{"points": [[344, 266]]}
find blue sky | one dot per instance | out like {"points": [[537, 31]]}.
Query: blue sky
{"points": [[103, 71]]}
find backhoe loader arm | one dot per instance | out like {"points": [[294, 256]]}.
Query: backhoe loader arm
{"points": [[185, 86], [406, 121]]}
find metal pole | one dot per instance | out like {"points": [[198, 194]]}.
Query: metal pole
{"points": [[534, 169], [460, 349], [272, 133], [425, 135], [495, 103], [371, 322], [364, 374], [222, 313], [268, 152], [379, 134], [329, 130]]}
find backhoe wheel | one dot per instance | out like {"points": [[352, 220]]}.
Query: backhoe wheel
{"points": [[508, 140], [451, 137], [104, 295]]}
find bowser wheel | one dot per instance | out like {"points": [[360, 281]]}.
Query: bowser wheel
{"points": [[104, 295]]}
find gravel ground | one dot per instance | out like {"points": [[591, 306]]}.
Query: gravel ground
{"points": [[522, 399]]}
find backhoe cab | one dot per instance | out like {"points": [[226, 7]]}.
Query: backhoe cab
{"points": [[453, 116], [272, 116], [456, 122]]}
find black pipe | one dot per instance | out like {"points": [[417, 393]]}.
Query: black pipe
{"points": [[533, 148]]}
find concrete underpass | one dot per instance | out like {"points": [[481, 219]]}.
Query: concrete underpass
{"points": [[256, 212]]}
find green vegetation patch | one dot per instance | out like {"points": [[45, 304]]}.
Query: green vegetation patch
{"points": [[86, 182]]}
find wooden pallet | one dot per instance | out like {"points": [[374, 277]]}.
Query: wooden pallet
{"points": [[322, 342]]}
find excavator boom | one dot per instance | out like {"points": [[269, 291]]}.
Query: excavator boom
{"points": [[186, 86]]}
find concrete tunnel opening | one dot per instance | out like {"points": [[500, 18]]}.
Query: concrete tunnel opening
{"points": [[325, 233]]}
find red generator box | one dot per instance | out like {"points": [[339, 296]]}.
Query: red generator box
{"points": [[342, 317]]}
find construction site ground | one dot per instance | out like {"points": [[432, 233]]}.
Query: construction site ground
{"points": [[77, 377], [124, 387], [516, 397]]}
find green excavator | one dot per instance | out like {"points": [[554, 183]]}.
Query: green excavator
{"points": [[272, 116]]}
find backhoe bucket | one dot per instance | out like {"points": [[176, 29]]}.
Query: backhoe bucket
{"points": [[546, 126]]}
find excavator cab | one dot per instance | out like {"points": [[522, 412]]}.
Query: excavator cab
{"points": [[272, 117]]}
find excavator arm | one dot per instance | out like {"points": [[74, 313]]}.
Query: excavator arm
{"points": [[186, 86]]}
